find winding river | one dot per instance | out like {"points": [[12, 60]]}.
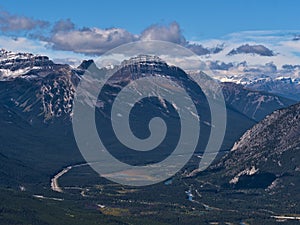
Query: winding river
{"points": [[54, 181]]}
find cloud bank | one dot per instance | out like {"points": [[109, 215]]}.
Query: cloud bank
{"points": [[65, 35], [64, 39], [96, 41]]}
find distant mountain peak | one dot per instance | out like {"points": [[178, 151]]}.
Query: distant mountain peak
{"points": [[143, 59], [85, 64]]}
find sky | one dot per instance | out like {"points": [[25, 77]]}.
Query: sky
{"points": [[198, 19], [67, 29]]}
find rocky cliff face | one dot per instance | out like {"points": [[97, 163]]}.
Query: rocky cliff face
{"points": [[35, 87], [267, 155]]}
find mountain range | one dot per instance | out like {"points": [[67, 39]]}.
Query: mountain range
{"points": [[259, 152]]}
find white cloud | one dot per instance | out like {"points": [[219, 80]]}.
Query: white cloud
{"points": [[63, 25], [9, 22], [293, 46], [171, 33], [92, 41]]}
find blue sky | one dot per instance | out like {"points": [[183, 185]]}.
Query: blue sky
{"points": [[197, 19]]}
